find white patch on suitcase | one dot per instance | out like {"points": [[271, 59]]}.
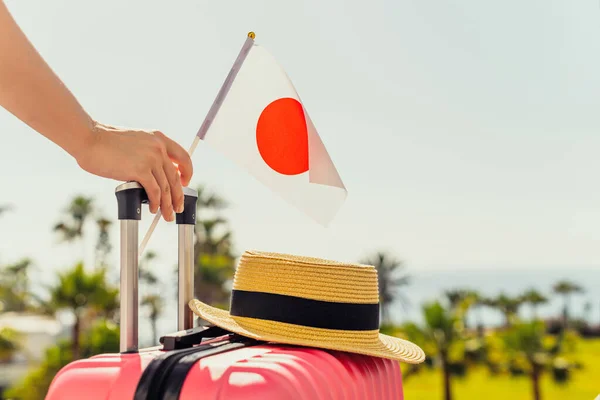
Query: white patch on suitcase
{"points": [[245, 379]]}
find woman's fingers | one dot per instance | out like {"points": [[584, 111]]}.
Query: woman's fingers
{"points": [[174, 152], [166, 205], [148, 181], [179, 156], [174, 182]]}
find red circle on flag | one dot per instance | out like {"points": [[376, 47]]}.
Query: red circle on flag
{"points": [[282, 137]]}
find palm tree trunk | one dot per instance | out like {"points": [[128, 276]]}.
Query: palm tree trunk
{"points": [[535, 380], [566, 313], [446, 376], [153, 320], [75, 338], [479, 322]]}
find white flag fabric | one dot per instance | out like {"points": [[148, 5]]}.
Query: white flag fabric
{"points": [[262, 125]]}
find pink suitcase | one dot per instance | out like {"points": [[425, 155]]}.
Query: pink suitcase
{"points": [[210, 363]]}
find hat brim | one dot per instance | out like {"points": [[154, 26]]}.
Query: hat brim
{"points": [[371, 343]]}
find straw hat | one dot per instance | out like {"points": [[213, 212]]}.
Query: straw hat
{"points": [[307, 301]]}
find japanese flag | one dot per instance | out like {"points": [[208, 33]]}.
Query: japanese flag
{"points": [[259, 122]]}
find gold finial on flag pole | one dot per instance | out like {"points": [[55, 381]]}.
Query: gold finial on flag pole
{"points": [[251, 35]]}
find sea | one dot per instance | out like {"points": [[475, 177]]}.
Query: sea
{"points": [[430, 285]]}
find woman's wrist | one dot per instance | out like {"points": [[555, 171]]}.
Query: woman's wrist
{"points": [[82, 141]]}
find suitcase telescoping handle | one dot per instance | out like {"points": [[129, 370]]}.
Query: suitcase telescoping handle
{"points": [[130, 197]]}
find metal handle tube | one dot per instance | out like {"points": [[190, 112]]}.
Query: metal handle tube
{"points": [[185, 317], [130, 197], [129, 286], [186, 222]]}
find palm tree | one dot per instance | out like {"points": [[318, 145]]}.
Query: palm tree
{"points": [[587, 310], [479, 301], [103, 246], [509, 306], [70, 228], [9, 344], [14, 286], [5, 208], [155, 305], [213, 271], [77, 213], [525, 341], [145, 272], [391, 278], [153, 301], [215, 261], [461, 300], [534, 298], [209, 240], [456, 297], [79, 291], [566, 288], [442, 330]]}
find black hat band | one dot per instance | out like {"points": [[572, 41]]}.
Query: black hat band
{"points": [[305, 312]]}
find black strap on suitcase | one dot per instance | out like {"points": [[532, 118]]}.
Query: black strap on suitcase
{"points": [[164, 377]]}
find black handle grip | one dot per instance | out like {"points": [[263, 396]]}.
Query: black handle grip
{"points": [[131, 196]]}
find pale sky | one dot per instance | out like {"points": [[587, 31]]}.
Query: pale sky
{"points": [[466, 134]]}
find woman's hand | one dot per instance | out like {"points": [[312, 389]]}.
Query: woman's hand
{"points": [[143, 156]]}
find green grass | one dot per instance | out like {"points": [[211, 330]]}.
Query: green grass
{"points": [[479, 384]]}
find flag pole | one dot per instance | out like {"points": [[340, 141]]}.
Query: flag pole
{"points": [[208, 120]]}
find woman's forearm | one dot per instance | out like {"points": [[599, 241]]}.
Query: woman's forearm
{"points": [[34, 94], [31, 91]]}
